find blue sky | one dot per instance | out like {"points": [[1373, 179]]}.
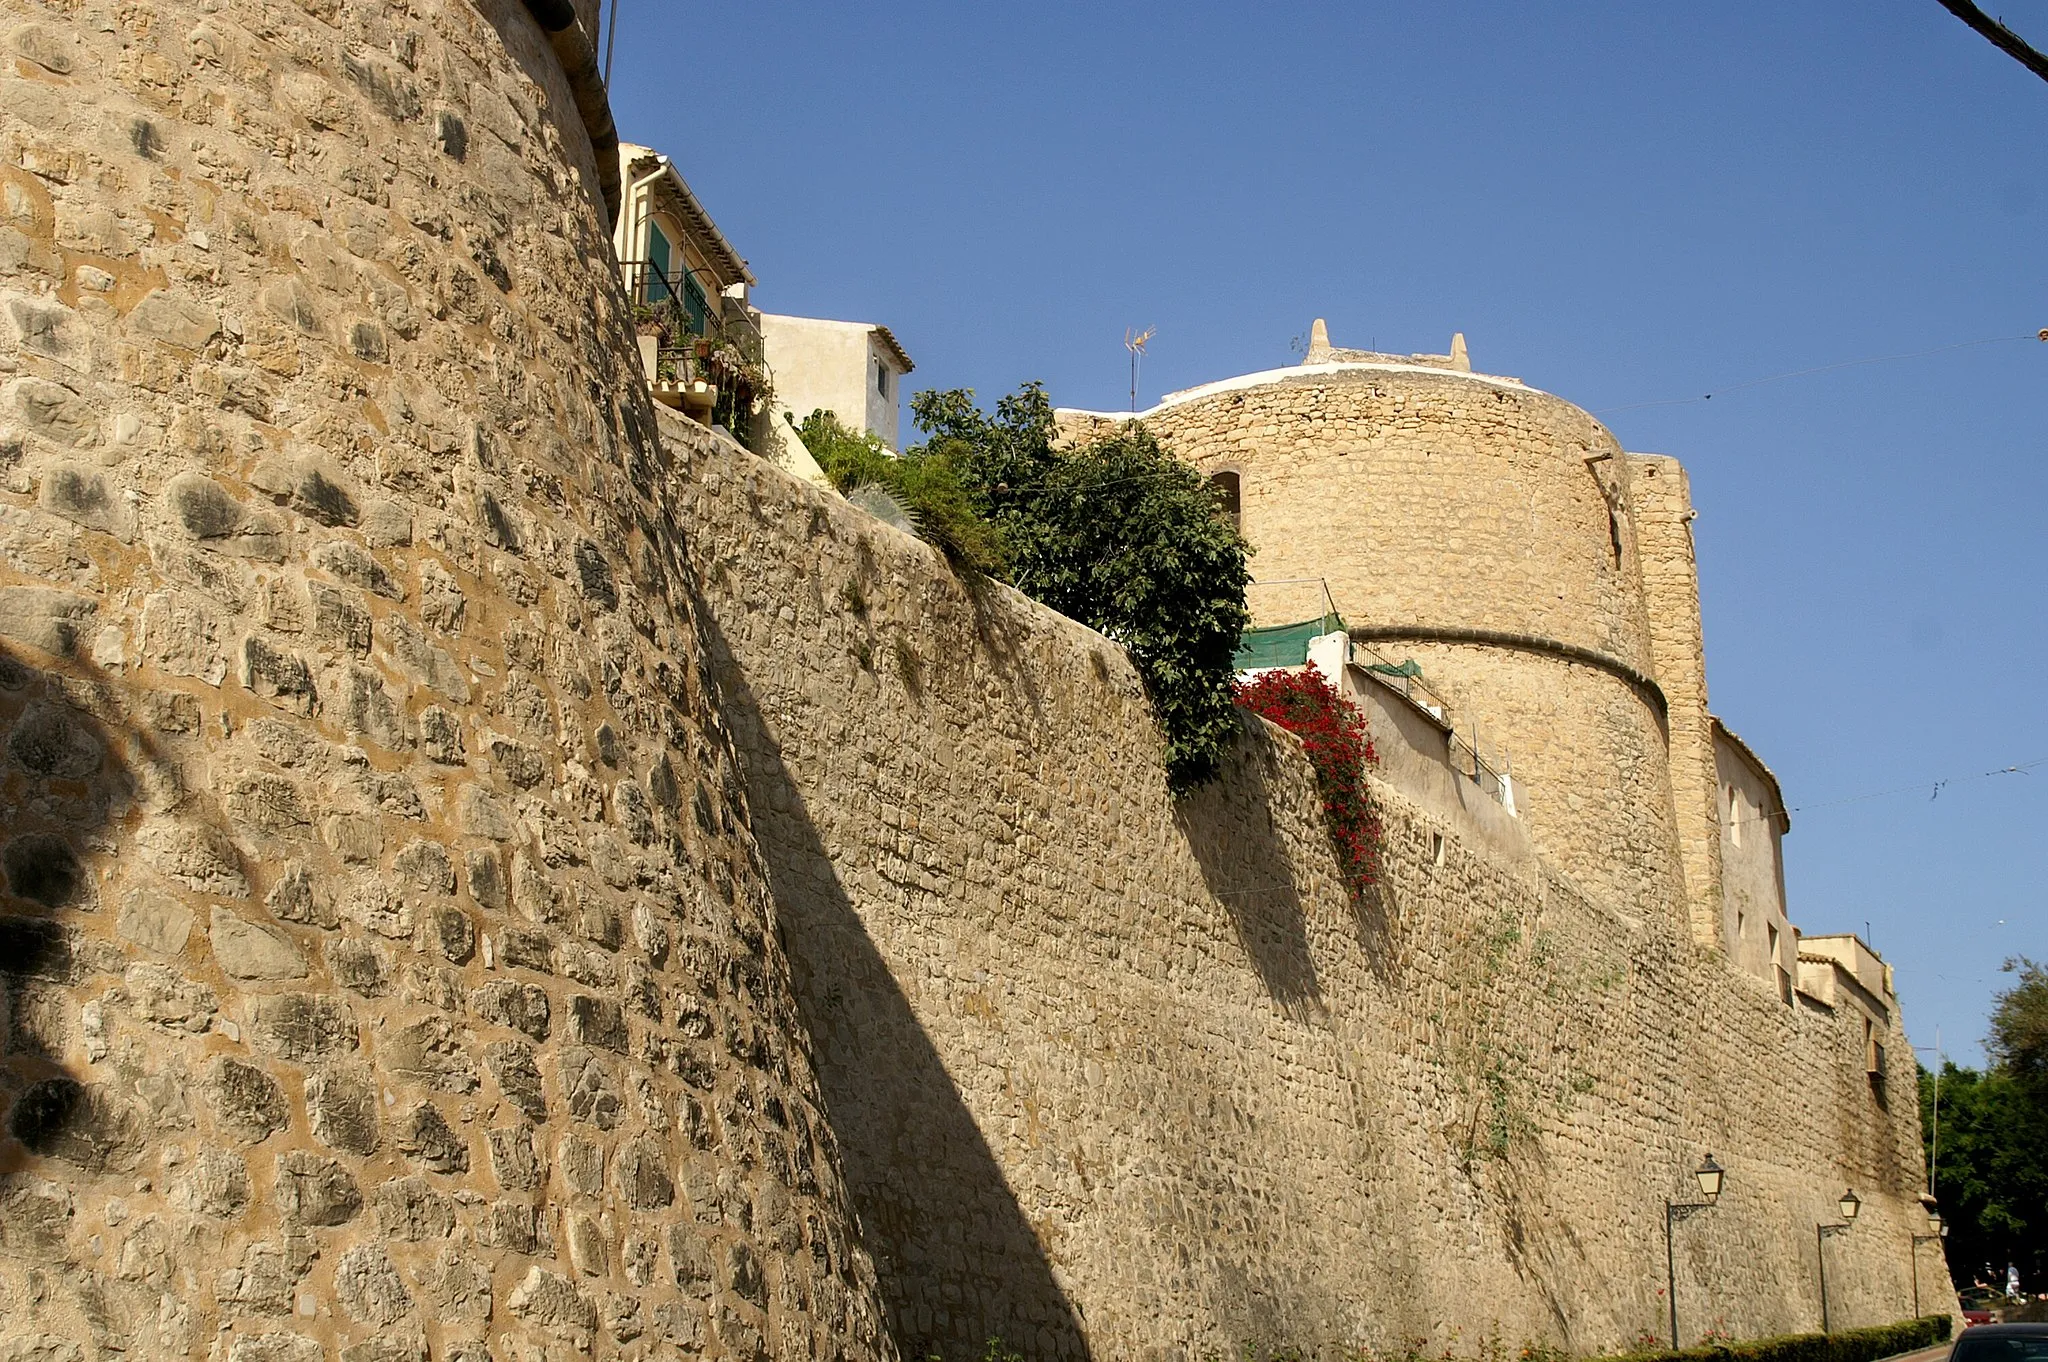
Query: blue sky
{"points": [[1620, 203]]}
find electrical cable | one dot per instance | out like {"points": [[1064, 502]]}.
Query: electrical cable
{"points": [[1936, 786]]}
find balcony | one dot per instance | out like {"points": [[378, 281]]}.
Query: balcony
{"points": [[702, 354]]}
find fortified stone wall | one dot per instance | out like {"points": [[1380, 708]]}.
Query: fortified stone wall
{"points": [[1433, 501], [1121, 1075], [388, 967], [1671, 590]]}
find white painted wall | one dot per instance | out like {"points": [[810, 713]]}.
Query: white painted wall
{"points": [[831, 365]]}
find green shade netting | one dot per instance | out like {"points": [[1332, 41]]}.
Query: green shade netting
{"points": [[1282, 645]]}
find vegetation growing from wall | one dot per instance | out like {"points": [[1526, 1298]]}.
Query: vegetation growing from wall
{"points": [[925, 481], [1333, 734], [1991, 1164], [1120, 535]]}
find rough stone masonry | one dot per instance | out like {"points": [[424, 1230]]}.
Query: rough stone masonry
{"points": [[388, 967], [486, 880]]}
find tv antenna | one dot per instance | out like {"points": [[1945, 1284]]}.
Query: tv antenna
{"points": [[1135, 343]]}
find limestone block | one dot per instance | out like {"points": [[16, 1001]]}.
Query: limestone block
{"points": [[368, 1287], [155, 922], [245, 1100], [249, 950], [550, 1299], [311, 1190], [341, 1108]]}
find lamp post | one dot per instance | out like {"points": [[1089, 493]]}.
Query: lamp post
{"points": [[1849, 1205], [1939, 1232], [1709, 1175]]}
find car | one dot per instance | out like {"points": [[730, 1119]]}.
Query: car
{"points": [[2002, 1343]]}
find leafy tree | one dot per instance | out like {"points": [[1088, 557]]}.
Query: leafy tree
{"points": [[1120, 535], [1991, 1166], [2019, 1024]]}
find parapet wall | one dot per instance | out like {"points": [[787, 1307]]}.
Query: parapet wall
{"points": [[1121, 1076], [388, 968]]}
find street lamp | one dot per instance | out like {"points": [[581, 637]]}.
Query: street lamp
{"points": [[1849, 1205], [1708, 1175], [1938, 1231]]}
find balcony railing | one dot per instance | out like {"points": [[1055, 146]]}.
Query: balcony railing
{"points": [[703, 352]]}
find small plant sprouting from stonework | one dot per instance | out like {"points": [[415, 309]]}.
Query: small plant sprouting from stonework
{"points": [[853, 600], [863, 653], [1717, 1335], [1538, 1351], [998, 1351]]}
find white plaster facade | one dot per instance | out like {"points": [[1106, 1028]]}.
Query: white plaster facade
{"points": [[852, 369], [1758, 933]]}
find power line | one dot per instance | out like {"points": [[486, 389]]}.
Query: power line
{"points": [[1934, 788]]}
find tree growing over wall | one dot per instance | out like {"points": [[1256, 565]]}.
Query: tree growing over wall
{"points": [[1991, 1165], [1118, 534]]}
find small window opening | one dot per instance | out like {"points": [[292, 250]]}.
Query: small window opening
{"points": [[1226, 487], [881, 378], [1436, 848], [1774, 941], [1735, 812], [1741, 925]]}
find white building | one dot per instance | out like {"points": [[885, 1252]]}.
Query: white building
{"points": [[852, 369]]}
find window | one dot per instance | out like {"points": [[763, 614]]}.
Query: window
{"points": [[1226, 487], [1741, 925], [1436, 848], [1735, 816], [881, 378], [654, 286]]}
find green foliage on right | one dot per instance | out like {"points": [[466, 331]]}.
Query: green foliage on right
{"points": [[2018, 1043], [1847, 1345], [1991, 1163], [1120, 535]]}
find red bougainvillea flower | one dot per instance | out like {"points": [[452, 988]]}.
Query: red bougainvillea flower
{"points": [[1333, 734]]}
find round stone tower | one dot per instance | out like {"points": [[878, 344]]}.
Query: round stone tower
{"points": [[1482, 528], [388, 966]]}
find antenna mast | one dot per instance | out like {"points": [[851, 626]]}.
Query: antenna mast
{"points": [[1135, 343]]}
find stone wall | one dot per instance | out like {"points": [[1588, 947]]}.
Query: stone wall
{"points": [[388, 967], [1432, 499], [1671, 589], [1130, 1077]]}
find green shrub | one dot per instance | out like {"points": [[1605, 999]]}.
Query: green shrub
{"points": [[925, 481], [1849, 1345]]}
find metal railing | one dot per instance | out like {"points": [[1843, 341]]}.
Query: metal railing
{"points": [[1492, 772], [718, 344]]}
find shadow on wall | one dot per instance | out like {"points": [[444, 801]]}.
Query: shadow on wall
{"points": [[934, 1207], [74, 765], [1249, 870]]}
